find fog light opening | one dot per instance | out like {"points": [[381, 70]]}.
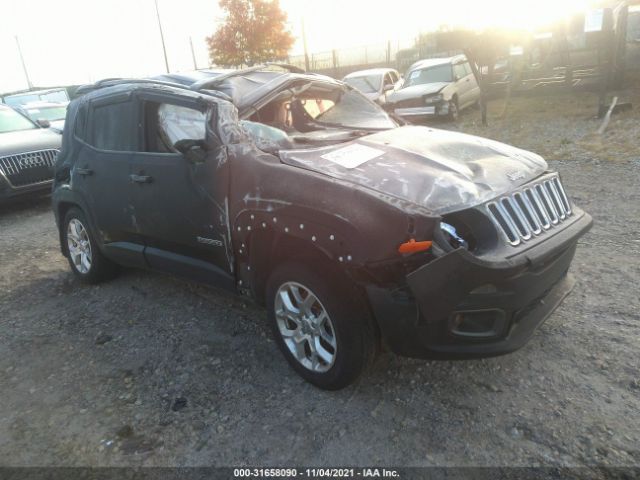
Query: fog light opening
{"points": [[478, 324]]}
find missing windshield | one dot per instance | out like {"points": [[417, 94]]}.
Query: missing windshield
{"points": [[317, 114]]}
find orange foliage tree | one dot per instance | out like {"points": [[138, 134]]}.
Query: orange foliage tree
{"points": [[253, 31]]}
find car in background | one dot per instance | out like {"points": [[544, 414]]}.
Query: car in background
{"points": [[27, 155], [56, 95], [46, 114], [435, 87], [375, 83]]}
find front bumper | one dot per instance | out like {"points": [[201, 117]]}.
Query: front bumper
{"points": [[459, 306], [9, 192], [421, 113]]}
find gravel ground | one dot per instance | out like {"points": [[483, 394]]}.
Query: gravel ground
{"points": [[148, 370]]}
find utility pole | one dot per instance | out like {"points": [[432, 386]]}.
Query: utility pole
{"points": [[193, 54], [24, 66], [164, 49], [304, 44]]}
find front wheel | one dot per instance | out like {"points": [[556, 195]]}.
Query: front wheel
{"points": [[320, 327], [453, 110], [85, 259]]}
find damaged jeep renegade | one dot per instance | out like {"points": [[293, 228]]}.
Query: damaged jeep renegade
{"points": [[355, 231]]}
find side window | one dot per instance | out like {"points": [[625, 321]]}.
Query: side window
{"points": [[81, 123], [113, 127], [387, 79], [467, 68], [459, 71], [394, 77], [166, 124]]}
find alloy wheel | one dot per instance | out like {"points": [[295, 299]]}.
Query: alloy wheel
{"points": [[79, 246], [305, 327]]}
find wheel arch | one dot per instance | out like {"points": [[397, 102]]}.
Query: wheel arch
{"points": [[263, 250]]}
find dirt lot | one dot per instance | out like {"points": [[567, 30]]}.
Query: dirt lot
{"points": [[148, 370]]}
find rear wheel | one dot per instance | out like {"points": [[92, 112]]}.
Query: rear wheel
{"points": [[319, 325], [85, 259]]}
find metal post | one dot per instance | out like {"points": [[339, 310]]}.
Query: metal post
{"points": [[164, 49], [304, 43], [24, 66], [193, 54]]}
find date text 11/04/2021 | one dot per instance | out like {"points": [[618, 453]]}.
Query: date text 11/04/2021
{"points": [[315, 473]]}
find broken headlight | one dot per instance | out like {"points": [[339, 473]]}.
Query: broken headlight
{"points": [[453, 237], [431, 99]]}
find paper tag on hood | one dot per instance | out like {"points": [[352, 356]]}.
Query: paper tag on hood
{"points": [[352, 156]]}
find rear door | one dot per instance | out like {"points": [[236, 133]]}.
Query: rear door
{"points": [[106, 133], [179, 199]]}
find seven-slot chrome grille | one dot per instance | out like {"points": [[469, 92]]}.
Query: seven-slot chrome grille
{"points": [[28, 168], [531, 210]]}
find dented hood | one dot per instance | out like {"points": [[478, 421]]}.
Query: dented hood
{"points": [[439, 170]]}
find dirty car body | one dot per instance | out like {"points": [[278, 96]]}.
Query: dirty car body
{"points": [[299, 166]]}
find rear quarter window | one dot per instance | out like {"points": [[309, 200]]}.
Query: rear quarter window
{"points": [[80, 128]]}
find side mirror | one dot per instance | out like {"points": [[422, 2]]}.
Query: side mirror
{"points": [[43, 123], [194, 151]]}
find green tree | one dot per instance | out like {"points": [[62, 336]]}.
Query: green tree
{"points": [[253, 31]]}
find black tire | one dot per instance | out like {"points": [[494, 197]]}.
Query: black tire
{"points": [[454, 112], [354, 334], [101, 268]]}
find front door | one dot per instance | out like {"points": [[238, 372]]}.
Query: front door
{"points": [[178, 197], [463, 85]]}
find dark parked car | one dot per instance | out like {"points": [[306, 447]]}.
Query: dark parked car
{"points": [[297, 191], [27, 155]]}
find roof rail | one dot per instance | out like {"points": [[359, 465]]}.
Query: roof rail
{"points": [[110, 82], [209, 82], [201, 85]]}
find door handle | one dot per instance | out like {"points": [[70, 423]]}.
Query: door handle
{"points": [[141, 178], [84, 171]]}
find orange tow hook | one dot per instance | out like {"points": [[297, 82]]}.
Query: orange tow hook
{"points": [[412, 246]]}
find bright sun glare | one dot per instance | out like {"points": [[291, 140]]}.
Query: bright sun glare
{"points": [[346, 23], [527, 15], [136, 50]]}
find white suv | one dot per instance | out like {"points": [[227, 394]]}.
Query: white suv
{"points": [[435, 87]]}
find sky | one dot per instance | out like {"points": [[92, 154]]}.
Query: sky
{"points": [[81, 41]]}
